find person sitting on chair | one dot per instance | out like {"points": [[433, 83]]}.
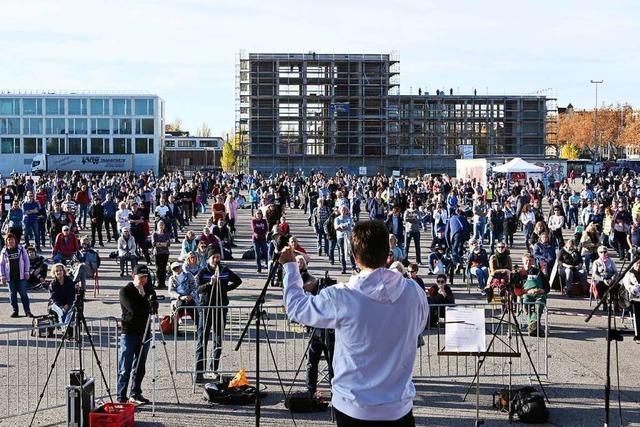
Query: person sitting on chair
{"points": [[603, 270], [183, 292], [500, 267], [222, 232], [37, 268], [439, 294], [478, 264], [545, 253], [66, 246], [189, 244], [89, 262], [126, 250], [533, 287], [62, 292], [572, 263], [438, 262]]}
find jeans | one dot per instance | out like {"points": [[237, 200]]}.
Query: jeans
{"points": [[82, 273], [322, 239], [571, 274], [82, 217], [64, 317], [208, 318], [161, 269], [496, 236], [15, 288], [482, 274], [316, 348], [344, 249], [131, 258], [31, 229], [331, 251], [96, 227], [573, 216], [42, 229], [415, 235], [110, 225], [528, 231], [260, 249], [457, 246], [479, 229], [130, 357]]}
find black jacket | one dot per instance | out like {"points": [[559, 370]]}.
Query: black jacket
{"points": [[135, 308], [97, 211], [228, 282]]}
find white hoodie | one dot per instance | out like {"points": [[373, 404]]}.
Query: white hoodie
{"points": [[377, 318]]}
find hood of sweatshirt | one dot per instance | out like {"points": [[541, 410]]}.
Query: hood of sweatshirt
{"points": [[381, 285]]}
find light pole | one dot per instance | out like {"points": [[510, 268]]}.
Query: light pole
{"points": [[595, 117]]}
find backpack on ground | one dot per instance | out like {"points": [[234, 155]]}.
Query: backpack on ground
{"points": [[528, 405]]}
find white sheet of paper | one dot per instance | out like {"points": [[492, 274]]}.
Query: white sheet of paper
{"points": [[464, 329]]}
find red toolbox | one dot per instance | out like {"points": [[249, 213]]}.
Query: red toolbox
{"points": [[113, 415]]}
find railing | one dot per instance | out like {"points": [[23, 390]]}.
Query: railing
{"points": [[25, 361]]}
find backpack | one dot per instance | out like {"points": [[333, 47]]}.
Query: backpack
{"points": [[221, 393], [304, 403], [528, 405]]}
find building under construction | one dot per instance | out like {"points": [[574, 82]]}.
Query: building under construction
{"points": [[330, 111]]}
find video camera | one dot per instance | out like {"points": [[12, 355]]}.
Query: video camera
{"points": [[325, 282], [153, 302], [281, 241]]}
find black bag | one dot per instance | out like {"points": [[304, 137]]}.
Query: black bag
{"points": [[43, 326], [303, 402], [249, 253], [221, 393], [528, 405]]}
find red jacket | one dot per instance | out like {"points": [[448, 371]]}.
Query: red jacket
{"points": [[66, 247], [82, 197]]}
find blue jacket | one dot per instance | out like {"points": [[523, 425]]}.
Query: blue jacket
{"points": [[457, 224]]}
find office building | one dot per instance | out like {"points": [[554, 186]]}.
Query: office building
{"points": [[96, 123]]}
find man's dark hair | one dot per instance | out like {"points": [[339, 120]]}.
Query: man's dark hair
{"points": [[370, 243]]}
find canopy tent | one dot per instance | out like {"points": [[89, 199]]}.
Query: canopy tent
{"points": [[518, 165]]}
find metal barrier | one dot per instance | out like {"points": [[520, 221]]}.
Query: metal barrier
{"points": [[289, 342], [430, 364], [25, 362]]}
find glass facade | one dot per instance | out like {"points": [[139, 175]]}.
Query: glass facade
{"points": [[77, 125]]}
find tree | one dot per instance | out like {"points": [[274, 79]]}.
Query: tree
{"points": [[174, 126], [204, 130], [228, 159], [570, 152]]}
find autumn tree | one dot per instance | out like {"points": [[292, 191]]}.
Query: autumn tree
{"points": [[174, 126], [228, 159], [570, 151], [204, 130]]}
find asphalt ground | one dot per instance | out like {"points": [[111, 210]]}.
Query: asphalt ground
{"points": [[574, 381]]}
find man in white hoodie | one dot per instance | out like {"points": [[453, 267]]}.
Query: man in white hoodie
{"points": [[377, 316]]}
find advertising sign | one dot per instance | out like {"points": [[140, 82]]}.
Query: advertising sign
{"points": [[362, 170], [90, 162]]}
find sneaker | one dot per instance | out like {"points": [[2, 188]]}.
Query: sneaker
{"points": [[15, 314], [139, 400], [122, 400]]}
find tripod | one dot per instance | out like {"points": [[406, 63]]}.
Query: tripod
{"points": [[612, 335], [151, 328], [75, 327], [508, 312], [259, 314]]}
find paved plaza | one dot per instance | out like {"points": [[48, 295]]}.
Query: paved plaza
{"points": [[574, 378]]}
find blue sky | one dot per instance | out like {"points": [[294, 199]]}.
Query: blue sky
{"points": [[185, 50]]}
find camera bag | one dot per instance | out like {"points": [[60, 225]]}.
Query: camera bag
{"points": [[43, 326]]}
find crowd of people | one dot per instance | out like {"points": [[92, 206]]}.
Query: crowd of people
{"points": [[54, 228]]}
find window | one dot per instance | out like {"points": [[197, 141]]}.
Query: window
{"points": [[56, 146], [54, 106], [78, 107], [99, 107], [144, 145], [209, 143], [100, 126], [32, 107], [78, 126], [144, 107], [99, 145], [32, 145], [186, 143], [122, 126], [9, 106], [185, 161], [169, 143], [121, 145], [56, 127], [144, 126], [10, 145], [293, 90], [77, 146], [121, 107], [32, 126], [10, 126]]}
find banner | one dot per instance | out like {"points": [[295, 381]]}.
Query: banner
{"points": [[90, 162]]}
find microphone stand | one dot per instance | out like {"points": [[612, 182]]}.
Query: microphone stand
{"points": [[258, 314], [612, 335]]}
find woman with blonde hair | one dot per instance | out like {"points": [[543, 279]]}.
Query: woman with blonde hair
{"points": [[588, 244], [62, 293]]}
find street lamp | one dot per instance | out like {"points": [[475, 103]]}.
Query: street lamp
{"points": [[595, 117]]}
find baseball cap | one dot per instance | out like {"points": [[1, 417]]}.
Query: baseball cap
{"points": [[141, 270], [65, 228], [175, 265]]}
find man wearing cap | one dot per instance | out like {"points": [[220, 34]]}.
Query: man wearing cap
{"points": [[183, 291], [214, 282], [135, 302]]}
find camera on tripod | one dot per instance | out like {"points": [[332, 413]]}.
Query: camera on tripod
{"points": [[280, 242], [325, 282]]}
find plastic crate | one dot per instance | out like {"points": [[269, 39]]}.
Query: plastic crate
{"points": [[113, 415]]}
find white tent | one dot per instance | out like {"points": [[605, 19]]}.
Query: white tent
{"points": [[518, 165]]}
